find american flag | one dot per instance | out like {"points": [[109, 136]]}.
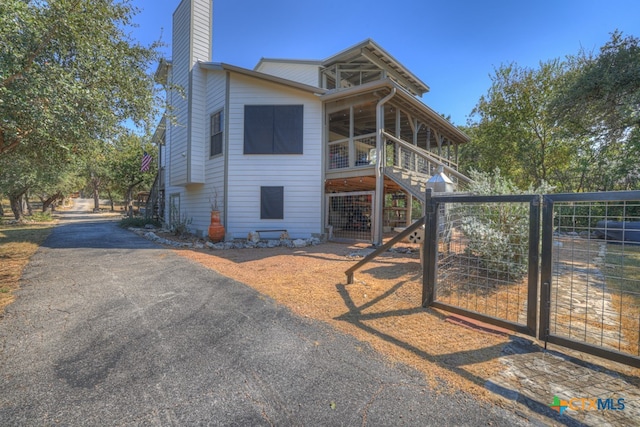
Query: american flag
{"points": [[146, 162]]}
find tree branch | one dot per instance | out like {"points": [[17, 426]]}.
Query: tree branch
{"points": [[29, 60], [7, 147]]}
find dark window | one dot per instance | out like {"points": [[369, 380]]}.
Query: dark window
{"points": [[273, 129], [271, 202], [217, 125]]}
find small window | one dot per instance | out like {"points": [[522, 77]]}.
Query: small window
{"points": [[271, 202], [273, 129], [217, 125]]}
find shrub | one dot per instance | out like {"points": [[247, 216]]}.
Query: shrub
{"points": [[179, 224], [41, 217], [498, 233], [138, 222]]}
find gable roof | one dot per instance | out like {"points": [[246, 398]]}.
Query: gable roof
{"points": [[371, 51], [256, 74], [287, 61]]}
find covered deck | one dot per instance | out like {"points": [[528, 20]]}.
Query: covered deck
{"points": [[382, 145]]}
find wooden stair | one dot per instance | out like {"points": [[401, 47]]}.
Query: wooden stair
{"points": [[414, 183]]}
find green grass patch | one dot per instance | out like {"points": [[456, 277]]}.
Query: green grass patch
{"points": [[41, 217]]}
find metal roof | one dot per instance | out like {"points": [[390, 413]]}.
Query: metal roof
{"points": [[262, 76], [371, 51]]}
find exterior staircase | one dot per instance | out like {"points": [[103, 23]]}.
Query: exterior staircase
{"points": [[415, 183], [155, 203], [411, 166]]}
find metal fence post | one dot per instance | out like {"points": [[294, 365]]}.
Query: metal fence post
{"points": [[430, 249], [533, 265], [546, 268]]}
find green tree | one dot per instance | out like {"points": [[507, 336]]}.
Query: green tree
{"points": [[599, 101], [66, 181], [27, 171], [124, 165], [607, 86], [69, 73], [95, 170], [514, 130]]}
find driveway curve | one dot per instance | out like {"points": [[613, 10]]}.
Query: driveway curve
{"points": [[111, 329]]}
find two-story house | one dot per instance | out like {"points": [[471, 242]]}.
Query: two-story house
{"points": [[338, 146]]}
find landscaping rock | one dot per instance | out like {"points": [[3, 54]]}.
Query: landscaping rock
{"points": [[286, 243], [215, 246], [253, 237], [151, 236], [314, 241], [299, 243], [252, 241], [273, 243]]}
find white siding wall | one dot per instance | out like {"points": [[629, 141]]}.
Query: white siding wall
{"points": [[177, 132], [195, 200], [186, 138], [198, 125], [216, 96], [300, 175], [191, 41], [202, 22], [302, 73]]}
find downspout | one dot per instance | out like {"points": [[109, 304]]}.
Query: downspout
{"points": [[378, 209]]}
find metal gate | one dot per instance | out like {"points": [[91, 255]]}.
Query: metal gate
{"points": [[590, 273], [482, 260]]}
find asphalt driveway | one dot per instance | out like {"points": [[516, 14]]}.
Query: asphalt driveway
{"points": [[111, 329]]}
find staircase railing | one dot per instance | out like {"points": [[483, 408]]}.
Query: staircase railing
{"points": [[401, 154], [154, 209]]}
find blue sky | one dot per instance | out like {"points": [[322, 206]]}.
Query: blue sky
{"points": [[452, 46]]}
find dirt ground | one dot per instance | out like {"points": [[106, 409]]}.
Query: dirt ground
{"points": [[382, 308]]}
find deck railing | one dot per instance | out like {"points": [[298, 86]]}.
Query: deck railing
{"points": [[352, 152], [401, 154]]}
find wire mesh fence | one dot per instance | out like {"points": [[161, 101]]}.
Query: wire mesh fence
{"points": [[483, 258], [349, 215], [595, 274]]}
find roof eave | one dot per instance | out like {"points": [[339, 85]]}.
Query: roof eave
{"points": [[162, 72], [218, 66], [159, 134], [287, 61], [406, 96], [359, 49]]}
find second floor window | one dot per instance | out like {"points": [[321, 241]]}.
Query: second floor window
{"points": [[273, 129], [216, 132]]}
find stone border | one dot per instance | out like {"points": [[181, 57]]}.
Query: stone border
{"points": [[149, 234]]}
